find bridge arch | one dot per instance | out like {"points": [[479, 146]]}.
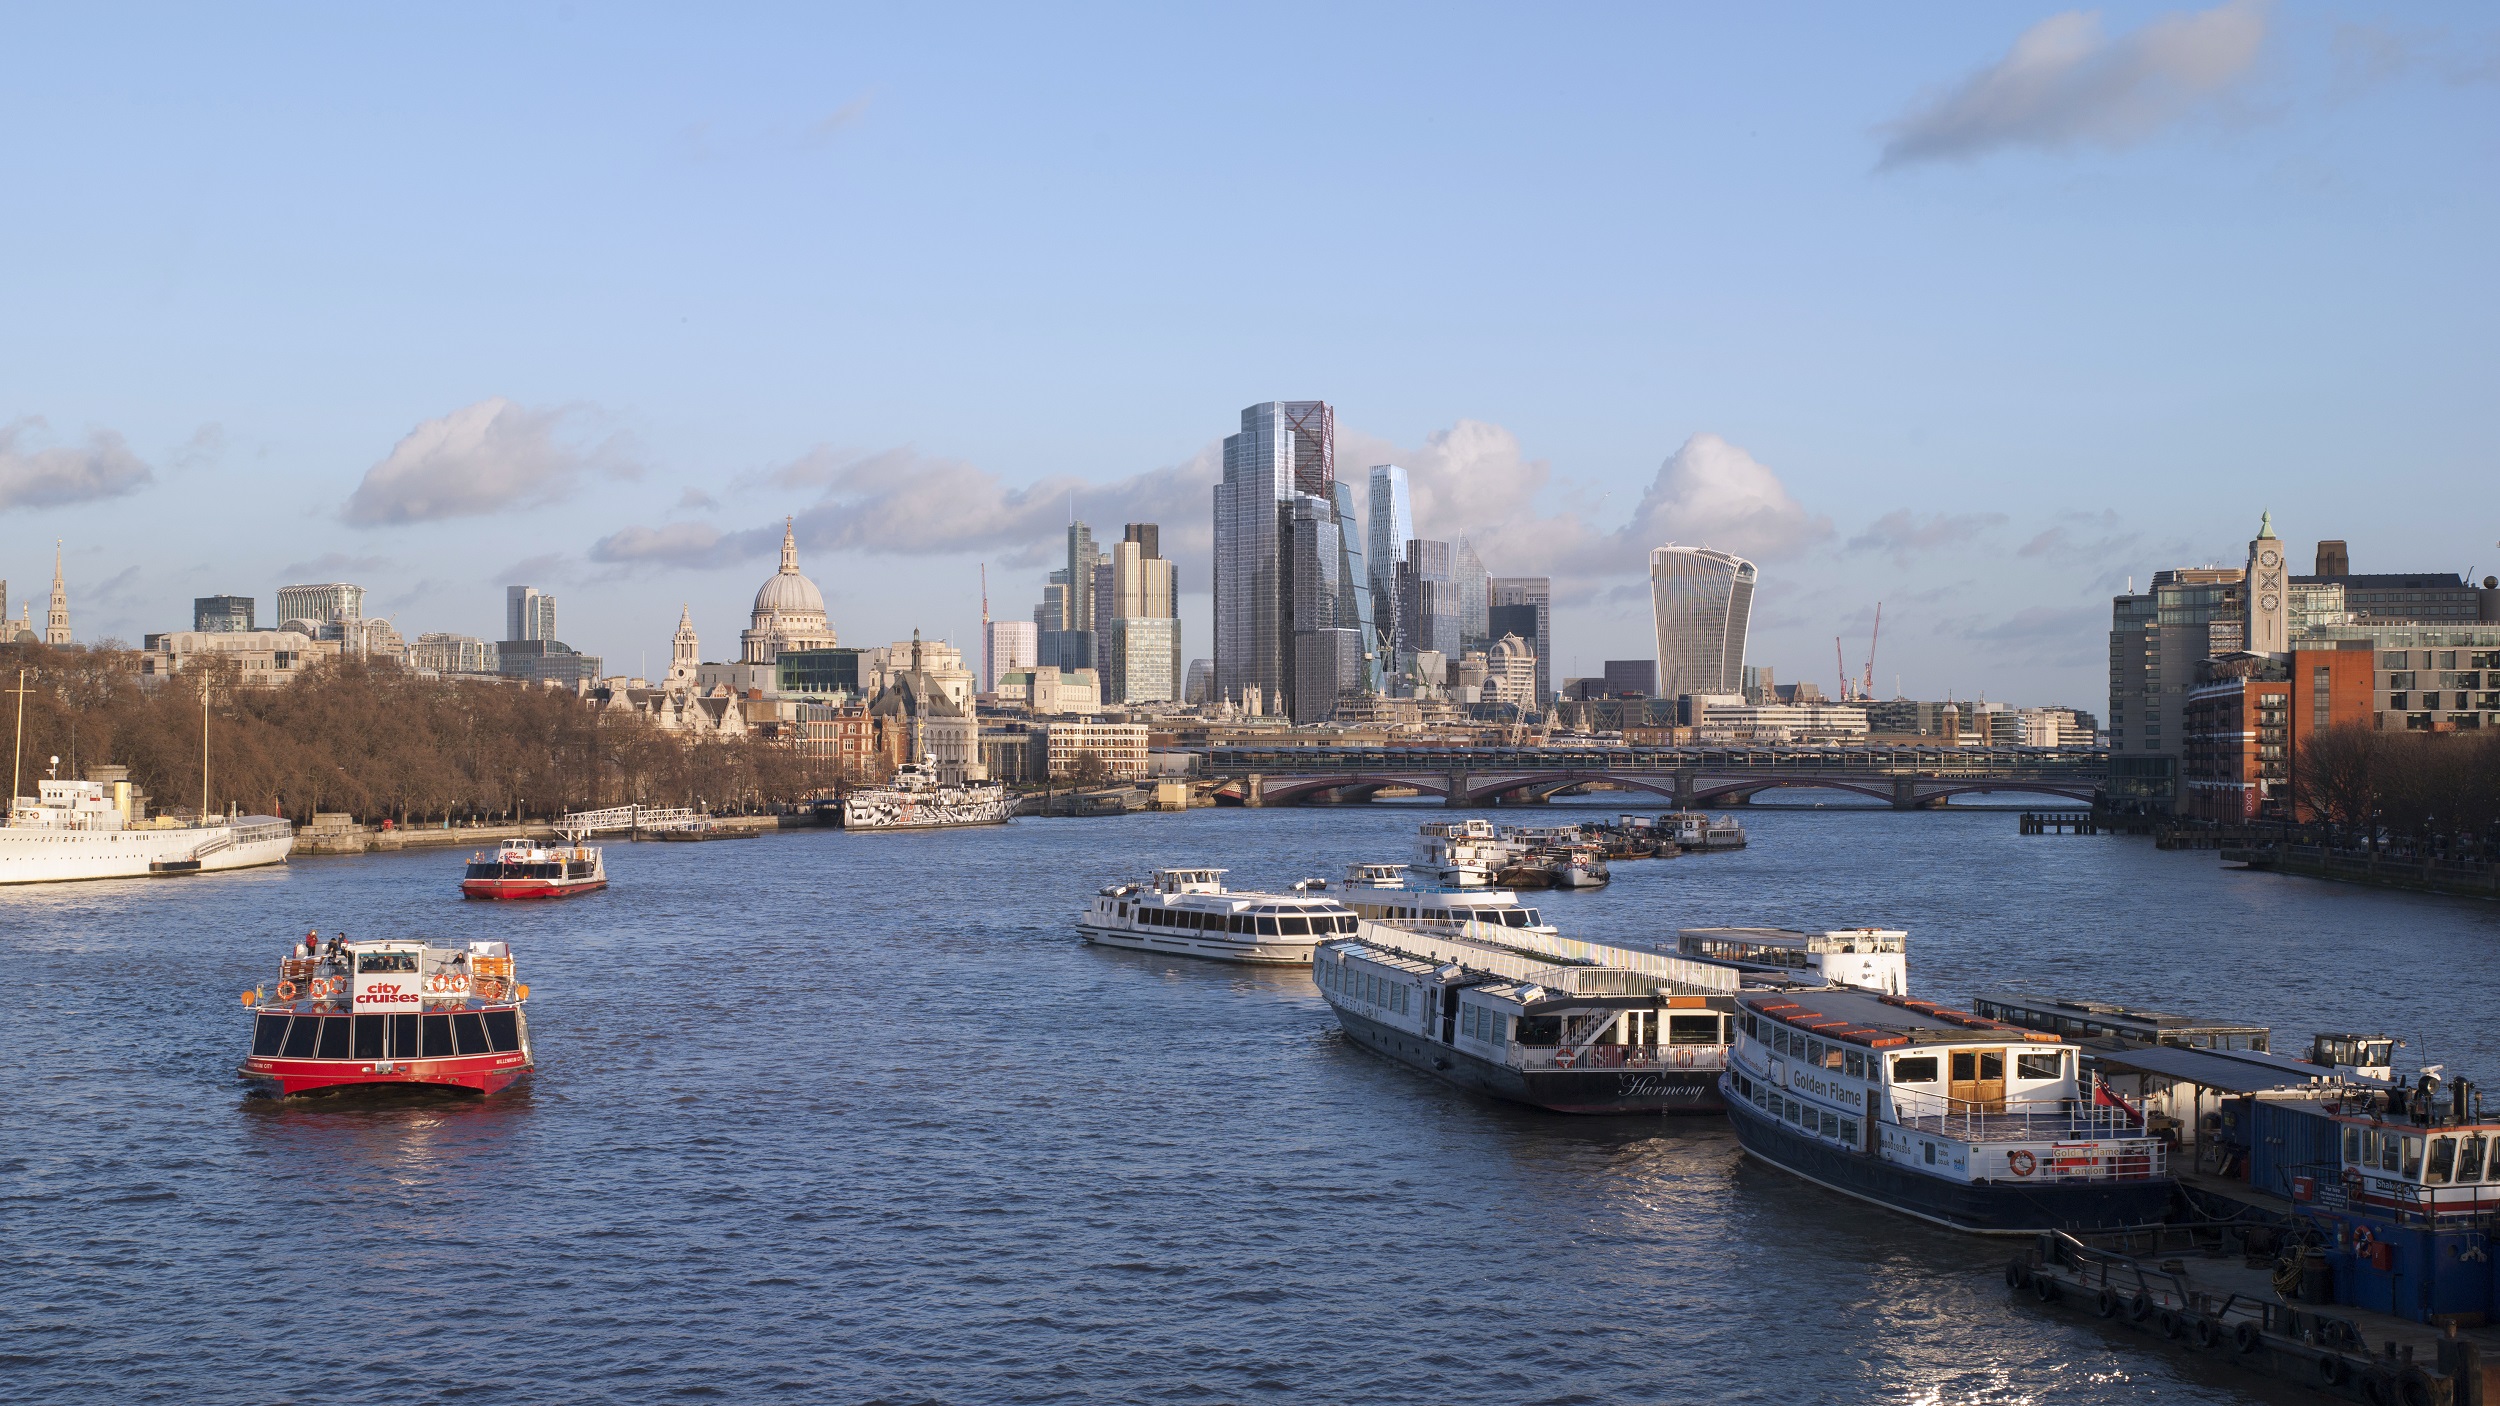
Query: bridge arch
{"points": [[1281, 791]]}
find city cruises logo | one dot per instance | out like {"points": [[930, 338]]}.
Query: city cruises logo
{"points": [[387, 996]]}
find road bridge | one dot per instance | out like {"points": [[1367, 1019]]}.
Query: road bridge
{"points": [[1907, 778]]}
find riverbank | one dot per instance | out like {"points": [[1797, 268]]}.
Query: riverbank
{"points": [[335, 839], [2381, 871]]}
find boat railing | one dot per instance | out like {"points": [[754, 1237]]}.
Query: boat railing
{"points": [[1646, 1058], [1981, 1121]]}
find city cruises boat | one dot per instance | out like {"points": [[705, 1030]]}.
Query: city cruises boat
{"points": [[85, 830], [1872, 959], [915, 799], [1189, 912], [1950, 1117], [401, 1011], [531, 869], [1571, 1027], [1388, 892]]}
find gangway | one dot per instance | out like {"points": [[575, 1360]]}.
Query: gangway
{"points": [[627, 818]]}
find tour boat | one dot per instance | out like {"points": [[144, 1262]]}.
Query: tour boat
{"points": [[1389, 892], [1189, 912], [1558, 1024], [532, 869], [916, 799], [395, 1011], [1953, 1118], [1873, 959]]}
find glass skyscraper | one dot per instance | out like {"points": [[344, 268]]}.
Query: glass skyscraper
{"points": [[1702, 603], [1286, 449], [1392, 523]]}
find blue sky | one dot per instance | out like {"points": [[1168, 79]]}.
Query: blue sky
{"points": [[1972, 310]]}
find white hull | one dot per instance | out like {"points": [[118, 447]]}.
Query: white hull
{"points": [[1268, 952], [41, 855]]}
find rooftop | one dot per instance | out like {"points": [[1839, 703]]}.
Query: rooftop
{"points": [[1873, 1020]]}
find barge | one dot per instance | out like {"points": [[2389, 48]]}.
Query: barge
{"points": [[389, 1012], [1939, 1114]]}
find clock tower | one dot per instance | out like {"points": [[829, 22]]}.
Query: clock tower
{"points": [[2269, 613]]}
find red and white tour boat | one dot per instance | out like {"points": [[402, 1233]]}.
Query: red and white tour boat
{"points": [[530, 869], [399, 1011]]}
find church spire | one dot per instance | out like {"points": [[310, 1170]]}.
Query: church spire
{"points": [[56, 619], [789, 547]]}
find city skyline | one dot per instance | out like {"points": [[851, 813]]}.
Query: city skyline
{"points": [[1982, 365]]}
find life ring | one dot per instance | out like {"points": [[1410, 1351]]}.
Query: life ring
{"points": [[1563, 1058], [287, 990], [1683, 1059], [2362, 1239], [2245, 1337], [2020, 1162]]}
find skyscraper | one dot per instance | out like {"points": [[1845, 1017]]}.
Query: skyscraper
{"points": [[1702, 603], [1284, 447], [1160, 585], [1475, 597], [1528, 601], [1077, 643], [1428, 611], [528, 614], [1392, 522]]}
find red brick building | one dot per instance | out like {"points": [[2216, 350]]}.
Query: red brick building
{"points": [[2243, 730]]}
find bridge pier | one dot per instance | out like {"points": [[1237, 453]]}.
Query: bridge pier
{"points": [[1458, 790], [1904, 793], [1684, 786], [1250, 796]]}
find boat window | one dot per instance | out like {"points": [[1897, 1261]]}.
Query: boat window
{"points": [[369, 1032], [303, 1037], [1795, 1113], [1849, 1131], [1267, 927], [334, 1037], [269, 1037], [1814, 1052], [403, 1037], [1348, 923], [503, 1030], [1692, 1030], [2387, 1152], [1931, 1152], [2353, 1155], [1918, 1070], [471, 1032], [2470, 1157], [1992, 1064], [1538, 1030], [1853, 1064], [385, 962], [2413, 1159], [2443, 1161], [438, 1037], [2038, 1066]]}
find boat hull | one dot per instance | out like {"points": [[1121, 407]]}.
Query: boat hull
{"points": [[941, 809], [483, 1074], [1984, 1208], [33, 855], [1182, 942], [529, 888], [1587, 1091]]}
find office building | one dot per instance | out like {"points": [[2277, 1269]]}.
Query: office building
{"points": [[1284, 449], [528, 614], [1523, 606], [1007, 645], [1636, 678], [324, 604], [1140, 664], [820, 673], [1140, 608], [2403, 597], [453, 654], [1475, 597], [261, 658], [1701, 602], [1392, 524], [1199, 689], [214, 614], [547, 662], [1428, 606], [1077, 639]]}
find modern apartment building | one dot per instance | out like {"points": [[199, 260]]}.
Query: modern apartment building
{"points": [[528, 614], [323, 604], [1701, 604]]}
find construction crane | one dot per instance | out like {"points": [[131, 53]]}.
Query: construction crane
{"points": [[1863, 689]]}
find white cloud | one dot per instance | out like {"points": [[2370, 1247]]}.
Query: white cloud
{"points": [[50, 478], [2065, 83], [479, 459]]}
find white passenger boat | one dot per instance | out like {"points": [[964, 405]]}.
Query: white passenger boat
{"points": [[1390, 892], [1940, 1114], [1463, 853], [83, 830], [1189, 912], [1873, 959], [1524, 1015], [915, 799]]}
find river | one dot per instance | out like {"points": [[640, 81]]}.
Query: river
{"points": [[856, 1118]]}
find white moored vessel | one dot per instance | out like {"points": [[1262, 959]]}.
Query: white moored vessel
{"points": [[1190, 913], [83, 830], [1389, 893], [915, 799]]}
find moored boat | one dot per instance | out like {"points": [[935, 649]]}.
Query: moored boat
{"points": [[532, 869], [88, 830], [396, 1011], [1390, 892], [1567, 1026], [1873, 959], [1189, 913], [1949, 1117], [914, 798]]}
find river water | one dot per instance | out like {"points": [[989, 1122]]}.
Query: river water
{"points": [[856, 1118]]}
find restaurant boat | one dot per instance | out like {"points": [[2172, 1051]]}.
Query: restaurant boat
{"points": [[532, 869], [1189, 913], [1558, 1024], [1956, 1119], [1389, 892], [1873, 959], [401, 1011]]}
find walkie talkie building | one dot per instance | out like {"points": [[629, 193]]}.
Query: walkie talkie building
{"points": [[1702, 601]]}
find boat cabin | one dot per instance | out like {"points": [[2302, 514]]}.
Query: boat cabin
{"points": [[2356, 1056], [1189, 880], [1875, 959], [391, 1000], [1384, 902], [2080, 1019]]}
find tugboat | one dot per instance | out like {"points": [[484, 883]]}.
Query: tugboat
{"points": [[1953, 1118], [1189, 912], [529, 869], [399, 1011]]}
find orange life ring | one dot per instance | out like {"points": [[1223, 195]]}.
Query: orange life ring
{"points": [[1683, 1059], [2021, 1162], [1563, 1058], [2362, 1239], [287, 990]]}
